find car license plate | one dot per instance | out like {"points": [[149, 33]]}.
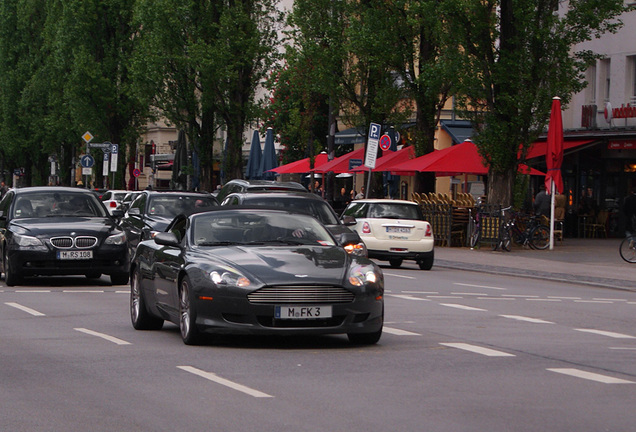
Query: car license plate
{"points": [[302, 312], [393, 229], [75, 255]]}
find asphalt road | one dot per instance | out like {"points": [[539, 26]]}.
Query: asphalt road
{"points": [[461, 351]]}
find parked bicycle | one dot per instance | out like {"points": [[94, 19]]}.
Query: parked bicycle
{"points": [[535, 234], [627, 249]]}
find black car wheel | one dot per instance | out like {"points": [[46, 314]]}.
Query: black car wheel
{"points": [[187, 321], [366, 338], [11, 277], [395, 262], [93, 276], [139, 315], [426, 263], [119, 278]]}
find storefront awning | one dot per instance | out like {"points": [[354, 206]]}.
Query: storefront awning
{"points": [[459, 130], [538, 149]]}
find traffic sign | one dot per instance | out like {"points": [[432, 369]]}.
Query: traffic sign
{"points": [[87, 161], [385, 142], [87, 137], [136, 172], [372, 145], [114, 151]]}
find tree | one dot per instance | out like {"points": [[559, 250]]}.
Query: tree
{"points": [[516, 57]]}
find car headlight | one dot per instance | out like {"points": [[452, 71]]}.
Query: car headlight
{"points": [[116, 239], [362, 275], [229, 277], [28, 242], [358, 249]]}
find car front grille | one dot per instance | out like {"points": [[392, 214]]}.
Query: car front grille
{"points": [[81, 242], [308, 294]]}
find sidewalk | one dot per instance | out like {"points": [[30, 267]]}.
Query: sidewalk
{"points": [[586, 261]]}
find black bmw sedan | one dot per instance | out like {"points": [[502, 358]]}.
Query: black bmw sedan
{"points": [[59, 231], [255, 270]]}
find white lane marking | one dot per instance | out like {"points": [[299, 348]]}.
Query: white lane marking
{"points": [[215, 378], [103, 336], [84, 291], [122, 292], [543, 300], [407, 297], [469, 294], [477, 349], [623, 348], [33, 291], [443, 296], [24, 309], [458, 306], [520, 296], [564, 298], [480, 286], [610, 299], [607, 333], [398, 332], [399, 276], [527, 319], [495, 298], [593, 301], [420, 292], [590, 376]]}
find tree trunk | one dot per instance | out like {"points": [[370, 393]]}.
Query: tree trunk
{"points": [[500, 187]]}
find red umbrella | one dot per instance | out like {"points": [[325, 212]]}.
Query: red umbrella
{"points": [[389, 158], [340, 164], [300, 166], [554, 153]]}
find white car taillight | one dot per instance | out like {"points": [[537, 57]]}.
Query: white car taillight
{"points": [[366, 228], [429, 231]]}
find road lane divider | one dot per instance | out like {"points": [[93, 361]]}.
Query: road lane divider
{"points": [[478, 349], [406, 297], [24, 309], [527, 319], [217, 379], [590, 376], [463, 307], [103, 336], [398, 332], [607, 333]]}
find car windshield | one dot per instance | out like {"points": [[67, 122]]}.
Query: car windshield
{"points": [[57, 204], [227, 228], [316, 208], [394, 211], [170, 206]]}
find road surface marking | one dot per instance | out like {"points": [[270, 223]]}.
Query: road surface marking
{"points": [[420, 292], [610, 299], [623, 348], [544, 300], [495, 298], [103, 336], [84, 291], [564, 298], [607, 333], [223, 381], [480, 286], [477, 349], [33, 291], [458, 306], [443, 296], [398, 332], [590, 376], [469, 294], [407, 297], [25, 309], [527, 319], [399, 276], [520, 295]]}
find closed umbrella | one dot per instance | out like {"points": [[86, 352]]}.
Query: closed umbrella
{"points": [[269, 160], [252, 171], [554, 159], [179, 176]]}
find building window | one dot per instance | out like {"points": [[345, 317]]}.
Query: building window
{"points": [[590, 77], [631, 78], [604, 81]]}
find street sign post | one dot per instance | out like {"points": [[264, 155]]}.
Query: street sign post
{"points": [[372, 145]]}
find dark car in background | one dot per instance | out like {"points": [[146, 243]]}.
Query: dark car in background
{"points": [[239, 185], [246, 270], [152, 211], [48, 231], [301, 202]]}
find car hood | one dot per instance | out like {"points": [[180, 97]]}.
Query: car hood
{"points": [[49, 227], [286, 265]]}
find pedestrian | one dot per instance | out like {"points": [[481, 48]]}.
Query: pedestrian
{"points": [[542, 203], [360, 195], [629, 208], [3, 189]]}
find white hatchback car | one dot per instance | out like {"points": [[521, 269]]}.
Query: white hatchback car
{"points": [[393, 230], [112, 199]]}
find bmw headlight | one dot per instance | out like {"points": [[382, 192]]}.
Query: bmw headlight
{"points": [[229, 277], [29, 242], [362, 275], [116, 239]]}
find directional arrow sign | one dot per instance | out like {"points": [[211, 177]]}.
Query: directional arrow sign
{"points": [[87, 161]]}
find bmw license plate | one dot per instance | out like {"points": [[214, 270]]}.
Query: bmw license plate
{"points": [[302, 312], [75, 255], [393, 229]]}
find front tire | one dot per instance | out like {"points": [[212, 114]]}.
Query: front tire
{"points": [[187, 315], [139, 315]]}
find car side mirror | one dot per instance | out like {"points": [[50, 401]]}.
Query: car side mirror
{"points": [[134, 211], [166, 239], [348, 238], [118, 214], [349, 220]]}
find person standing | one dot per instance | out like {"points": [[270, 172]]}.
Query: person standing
{"points": [[542, 203], [360, 194], [3, 189], [629, 208]]}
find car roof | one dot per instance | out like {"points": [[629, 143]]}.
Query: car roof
{"points": [[383, 201], [175, 192], [52, 189], [278, 195]]}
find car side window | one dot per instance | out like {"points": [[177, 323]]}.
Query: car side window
{"points": [[5, 204], [139, 203], [179, 229], [357, 210]]}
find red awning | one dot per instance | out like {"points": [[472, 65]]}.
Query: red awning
{"points": [[389, 158], [340, 164], [301, 166], [539, 148]]}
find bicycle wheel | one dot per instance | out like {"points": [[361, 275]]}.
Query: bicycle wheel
{"points": [[627, 249], [506, 241], [475, 236], [540, 237]]}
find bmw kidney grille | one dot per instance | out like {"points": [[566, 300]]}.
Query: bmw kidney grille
{"points": [[80, 242]]}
